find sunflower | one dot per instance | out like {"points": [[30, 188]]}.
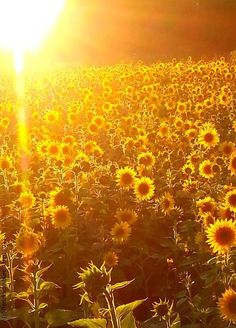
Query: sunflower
{"points": [[120, 232], [221, 235], [5, 163], [110, 259], [206, 169], [27, 241], [227, 148], [61, 217], [208, 136], [167, 203], [144, 188], [125, 177], [126, 215], [206, 205], [227, 305], [60, 197], [230, 200], [146, 158], [188, 168], [232, 164], [27, 199]]}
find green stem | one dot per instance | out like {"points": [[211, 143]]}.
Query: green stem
{"points": [[111, 305], [36, 303]]}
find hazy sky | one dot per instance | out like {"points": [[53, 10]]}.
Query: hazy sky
{"points": [[109, 31]]}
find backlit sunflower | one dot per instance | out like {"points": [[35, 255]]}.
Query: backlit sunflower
{"points": [[120, 232], [230, 200], [27, 199], [61, 217], [144, 188], [167, 203], [27, 241], [206, 205], [127, 215], [206, 169], [125, 177], [147, 159], [227, 305], [232, 163], [221, 235], [60, 197], [208, 136], [111, 259], [227, 148]]}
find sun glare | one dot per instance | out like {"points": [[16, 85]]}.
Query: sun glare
{"points": [[25, 23]]}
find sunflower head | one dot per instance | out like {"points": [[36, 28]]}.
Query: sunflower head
{"points": [[27, 199], [167, 203], [221, 235], [94, 280], [208, 136], [27, 241], [230, 200], [110, 259], [126, 215], [232, 164], [227, 305], [120, 232], [162, 309], [61, 216], [125, 177], [144, 188], [206, 169]]}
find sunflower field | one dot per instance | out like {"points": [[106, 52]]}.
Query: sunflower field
{"points": [[118, 196]]}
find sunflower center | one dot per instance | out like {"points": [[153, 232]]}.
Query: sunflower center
{"points": [[232, 200], [208, 137], [227, 150], [233, 163], [207, 169], [143, 188], [127, 178], [232, 304], [207, 207], [225, 236]]}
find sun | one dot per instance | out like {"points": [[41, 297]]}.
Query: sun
{"points": [[25, 23]]}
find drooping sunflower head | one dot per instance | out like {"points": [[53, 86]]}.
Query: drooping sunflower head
{"points": [[60, 197], [162, 309], [125, 177], [27, 241], [221, 236], [227, 305], [126, 215], [144, 188], [61, 217], [94, 280], [208, 136], [230, 200], [120, 232]]}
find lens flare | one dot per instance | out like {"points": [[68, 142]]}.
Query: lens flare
{"points": [[25, 23]]}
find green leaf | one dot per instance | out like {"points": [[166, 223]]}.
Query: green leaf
{"points": [[59, 317], [42, 271], [88, 323], [48, 285], [128, 321], [120, 285], [42, 306], [125, 309], [24, 295], [176, 323]]}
